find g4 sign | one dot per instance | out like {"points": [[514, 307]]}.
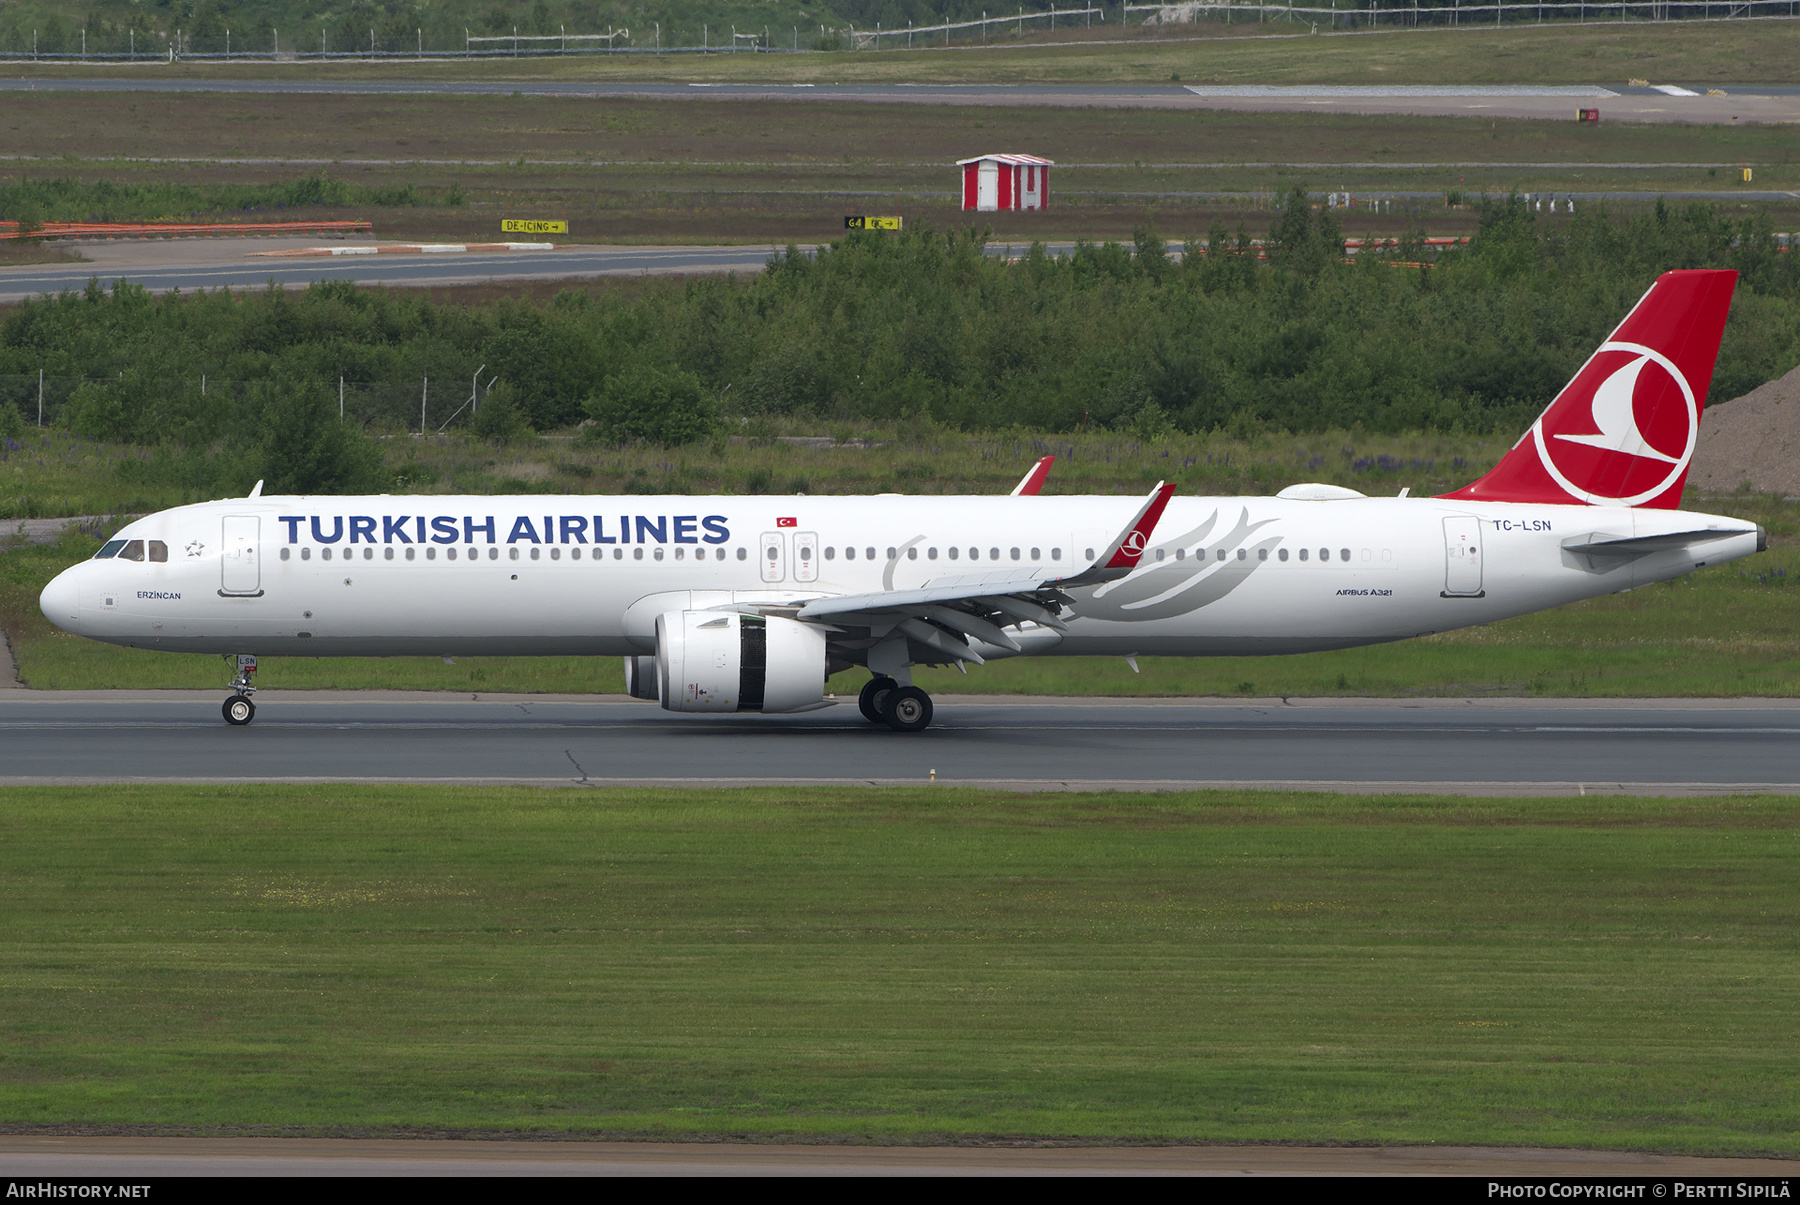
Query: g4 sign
{"points": [[866, 223]]}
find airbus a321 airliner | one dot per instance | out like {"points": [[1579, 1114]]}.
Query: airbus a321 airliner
{"points": [[724, 604]]}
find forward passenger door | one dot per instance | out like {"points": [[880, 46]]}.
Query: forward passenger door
{"points": [[240, 568]]}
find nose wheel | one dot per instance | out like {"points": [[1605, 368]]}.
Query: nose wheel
{"points": [[238, 709]]}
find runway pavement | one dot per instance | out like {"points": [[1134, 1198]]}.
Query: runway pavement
{"points": [[1690, 103], [1477, 747], [98, 1157]]}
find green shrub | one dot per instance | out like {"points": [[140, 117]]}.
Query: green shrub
{"points": [[654, 405]]}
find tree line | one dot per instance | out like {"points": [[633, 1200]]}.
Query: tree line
{"points": [[929, 326]]}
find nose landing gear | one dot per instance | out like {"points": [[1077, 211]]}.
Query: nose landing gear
{"points": [[238, 709]]}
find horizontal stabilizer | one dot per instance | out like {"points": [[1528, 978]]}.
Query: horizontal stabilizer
{"points": [[1600, 544]]}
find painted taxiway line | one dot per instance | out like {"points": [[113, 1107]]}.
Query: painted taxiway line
{"points": [[128, 1155], [400, 249], [1484, 790]]}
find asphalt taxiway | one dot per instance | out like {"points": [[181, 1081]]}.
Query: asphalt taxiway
{"points": [[189, 264], [1475, 747], [98, 1157], [1656, 103]]}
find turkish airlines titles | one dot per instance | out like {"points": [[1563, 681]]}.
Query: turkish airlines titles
{"points": [[556, 529]]}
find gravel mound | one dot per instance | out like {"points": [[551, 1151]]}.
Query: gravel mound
{"points": [[1753, 439]]}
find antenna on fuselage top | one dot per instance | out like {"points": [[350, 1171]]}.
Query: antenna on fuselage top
{"points": [[255, 490]]}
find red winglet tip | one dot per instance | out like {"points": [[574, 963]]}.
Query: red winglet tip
{"points": [[1034, 480], [1131, 549]]}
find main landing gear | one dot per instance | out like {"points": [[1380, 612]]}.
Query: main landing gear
{"points": [[902, 708], [238, 709]]}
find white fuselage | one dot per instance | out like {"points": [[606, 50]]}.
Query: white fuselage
{"points": [[395, 576]]}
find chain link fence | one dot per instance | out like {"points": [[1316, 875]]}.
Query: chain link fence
{"points": [[376, 406]]}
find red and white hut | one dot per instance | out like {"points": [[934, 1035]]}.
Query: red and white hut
{"points": [[993, 182]]}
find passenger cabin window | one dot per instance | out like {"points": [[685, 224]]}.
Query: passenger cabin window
{"points": [[870, 554], [288, 552], [109, 549], [931, 554], [1343, 554], [1035, 556], [831, 553], [133, 551], [1303, 554], [954, 552], [1282, 555], [1262, 554], [743, 553]]}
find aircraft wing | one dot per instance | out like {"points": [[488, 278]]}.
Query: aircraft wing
{"points": [[947, 614]]}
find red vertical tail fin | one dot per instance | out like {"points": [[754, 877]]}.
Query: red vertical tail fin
{"points": [[1622, 432]]}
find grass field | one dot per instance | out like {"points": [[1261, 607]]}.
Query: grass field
{"points": [[1719, 52], [904, 966], [630, 170]]}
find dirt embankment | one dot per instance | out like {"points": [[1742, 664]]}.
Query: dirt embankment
{"points": [[1753, 439]]}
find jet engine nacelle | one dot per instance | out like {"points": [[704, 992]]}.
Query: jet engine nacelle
{"points": [[725, 661]]}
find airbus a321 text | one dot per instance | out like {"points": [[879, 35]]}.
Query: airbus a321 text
{"points": [[724, 604]]}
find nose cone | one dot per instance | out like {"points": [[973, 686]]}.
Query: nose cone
{"points": [[61, 601]]}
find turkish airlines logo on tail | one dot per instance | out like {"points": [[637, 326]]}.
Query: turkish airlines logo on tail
{"points": [[1134, 543], [1623, 431]]}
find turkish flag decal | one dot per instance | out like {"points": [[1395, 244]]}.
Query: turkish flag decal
{"points": [[787, 522]]}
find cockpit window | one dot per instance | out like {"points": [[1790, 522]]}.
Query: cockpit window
{"points": [[134, 551], [159, 551], [110, 549]]}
